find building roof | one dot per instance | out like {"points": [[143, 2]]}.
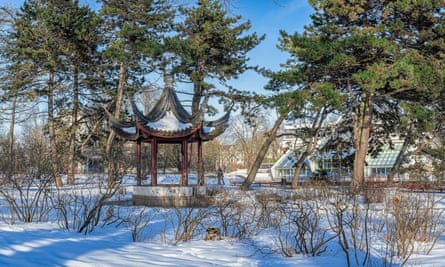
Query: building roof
{"points": [[288, 161], [168, 121], [386, 158]]}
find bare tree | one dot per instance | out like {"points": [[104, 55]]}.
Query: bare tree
{"points": [[248, 137]]}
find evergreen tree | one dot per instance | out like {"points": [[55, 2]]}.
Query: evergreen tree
{"points": [[55, 40], [77, 28], [379, 53], [133, 42], [6, 83], [210, 45], [38, 54]]}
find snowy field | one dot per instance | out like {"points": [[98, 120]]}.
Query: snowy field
{"points": [[141, 236]]}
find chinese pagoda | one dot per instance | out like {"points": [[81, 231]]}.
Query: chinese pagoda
{"points": [[168, 122]]}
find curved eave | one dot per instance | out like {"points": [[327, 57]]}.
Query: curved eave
{"points": [[148, 132], [221, 122], [137, 113], [125, 129], [207, 136], [168, 102], [213, 129], [115, 122], [124, 134]]}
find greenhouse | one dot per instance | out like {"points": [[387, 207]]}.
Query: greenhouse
{"points": [[334, 166]]}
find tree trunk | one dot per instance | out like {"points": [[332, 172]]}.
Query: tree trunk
{"points": [[396, 167], [311, 145], [112, 135], [262, 154], [362, 133], [196, 100], [298, 167], [52, 132], [11, 161], [72, 141]]}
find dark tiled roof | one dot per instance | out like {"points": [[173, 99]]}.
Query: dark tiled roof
{"points": [[168, 119]]}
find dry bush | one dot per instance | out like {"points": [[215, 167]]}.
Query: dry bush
{"points": [[135, 218], [412, 219], [80, 207], [301, 230], [26, 181], [186, 223], [350, 220], [27, 198]]}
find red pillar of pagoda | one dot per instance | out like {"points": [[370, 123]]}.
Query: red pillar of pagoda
{"points": [[200, 164], [138, 164], [154, 161], [184, 170], [158, 126]]}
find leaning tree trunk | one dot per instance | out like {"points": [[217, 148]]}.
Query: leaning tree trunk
{"points": [[362, 133], [52, 132], [311, 145], [398, 162], [300, 163], [298, 167], [262, 154], [112, 135]]}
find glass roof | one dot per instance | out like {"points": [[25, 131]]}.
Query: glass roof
{"points": [[386, 158], [288, 161]]}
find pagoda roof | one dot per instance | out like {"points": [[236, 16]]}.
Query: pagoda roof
{"points": [[168, 121]]}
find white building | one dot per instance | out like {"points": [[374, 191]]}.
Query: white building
{"points": [[333, 165]]}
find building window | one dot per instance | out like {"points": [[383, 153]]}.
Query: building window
{"points": [[380, 172]]}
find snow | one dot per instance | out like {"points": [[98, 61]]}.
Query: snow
{"points": [[169, 123], [47, 244], [129, 130], [207, 129]]}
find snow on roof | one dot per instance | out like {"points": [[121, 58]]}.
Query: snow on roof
{"points": [[169, 123], [129, 130], [207, 129]]}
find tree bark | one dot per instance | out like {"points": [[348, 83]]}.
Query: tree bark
{"points": [[112, 135], [11, 161], [311, 145], [52, 132], [196, 99], [362, 132], [298, 167], [396, 167], [73, 131], [262, 153]]}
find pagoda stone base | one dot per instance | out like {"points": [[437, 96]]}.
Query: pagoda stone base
{"points": [[171, 196]]}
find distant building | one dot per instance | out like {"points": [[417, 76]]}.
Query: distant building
{"points": [[332, 165]]}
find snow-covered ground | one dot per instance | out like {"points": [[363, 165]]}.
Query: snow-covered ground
{"points": [[47, 244]]}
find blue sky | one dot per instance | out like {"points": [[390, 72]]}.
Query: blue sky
{"points": [[267, 17]]}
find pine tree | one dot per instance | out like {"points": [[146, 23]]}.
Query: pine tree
{"points": [[55, 40], [76, 26], [210, 45], [376, 52], [38, 54], [133, 43]]}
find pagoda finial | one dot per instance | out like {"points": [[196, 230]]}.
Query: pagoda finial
{"points": [[168, 80]]}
